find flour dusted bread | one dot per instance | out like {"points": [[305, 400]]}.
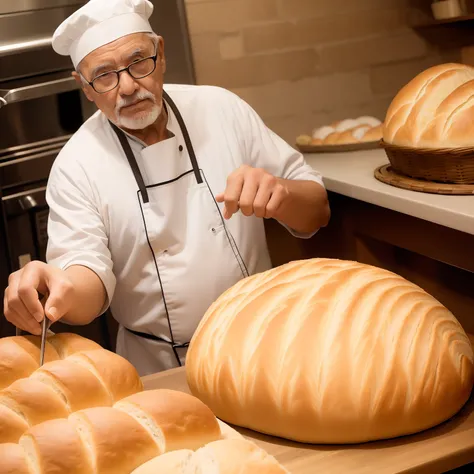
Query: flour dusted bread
{"points": [[330, 351], [434, 110], [218, 457], [344, 132], [20, 355]]}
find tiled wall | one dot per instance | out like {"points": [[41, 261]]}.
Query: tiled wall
{"points": [[304, 63]]}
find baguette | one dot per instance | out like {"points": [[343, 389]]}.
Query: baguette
{"points": [[118, 439], [237, 456], [20, 355], [330, 351], [83, 380]]}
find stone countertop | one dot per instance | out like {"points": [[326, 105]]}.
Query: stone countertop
{"points": [[352, 174]]}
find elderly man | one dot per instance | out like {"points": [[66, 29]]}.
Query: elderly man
{"points": [[157, 202]]}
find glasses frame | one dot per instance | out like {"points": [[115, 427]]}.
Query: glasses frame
{"points": [[117, 72]]}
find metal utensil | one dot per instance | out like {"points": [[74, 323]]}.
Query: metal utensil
{"points": [[44, 330]]}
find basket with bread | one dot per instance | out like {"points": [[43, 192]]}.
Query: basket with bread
{"points": [[85, 411], [428, 131], [361, 133]]}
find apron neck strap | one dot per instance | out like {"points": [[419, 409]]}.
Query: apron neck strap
{"points": [[131, 161], [187, 140], [131, 157]]}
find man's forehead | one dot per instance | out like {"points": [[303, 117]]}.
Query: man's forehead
{"points": [[118, 50]]}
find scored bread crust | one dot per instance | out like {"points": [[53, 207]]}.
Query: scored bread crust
{"points": [[34, 401], [67, 344], [83, 380], [433, 110], [114, 440], [330, 351], [117, 443], [76, 384], [231, 456], [119, 376], [195, 418], [20, 355], [55, 446], [13, 459]]}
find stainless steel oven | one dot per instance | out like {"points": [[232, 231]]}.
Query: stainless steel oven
{"points": [[40, 108]]}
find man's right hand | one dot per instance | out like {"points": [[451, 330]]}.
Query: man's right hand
{"points": [[22, 304]]}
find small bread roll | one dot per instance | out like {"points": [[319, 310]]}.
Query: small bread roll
{"points": [[322, 132], [346, 124], [373, 134], [368, 120]]}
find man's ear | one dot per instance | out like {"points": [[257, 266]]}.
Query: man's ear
{"points": [[81, 84], [161, 53]]}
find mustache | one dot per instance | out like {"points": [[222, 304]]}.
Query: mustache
{"points": [[126, 101]]}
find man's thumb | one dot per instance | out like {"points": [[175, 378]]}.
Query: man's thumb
{"points": [[220, 197], [53, 309]]}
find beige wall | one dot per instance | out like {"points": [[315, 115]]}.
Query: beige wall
{"points": [[304, 63]]}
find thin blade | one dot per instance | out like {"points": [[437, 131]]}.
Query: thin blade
{"points": [[44, 330]]}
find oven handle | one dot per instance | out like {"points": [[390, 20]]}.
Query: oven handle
{"points": [[25, 46], [35, 91], [42, 153], [25, 201]]}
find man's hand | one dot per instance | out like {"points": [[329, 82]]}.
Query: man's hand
{"points": [[253, 191], [22, 305]]}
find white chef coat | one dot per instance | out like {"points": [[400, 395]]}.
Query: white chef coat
{"points": [[96, 219]]}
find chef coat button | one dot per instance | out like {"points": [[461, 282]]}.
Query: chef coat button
{"points": [[213, 230], [180, 148]]}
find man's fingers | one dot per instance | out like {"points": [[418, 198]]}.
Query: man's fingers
{"points": [[19, 320], [247, 197], [232, 194], [274, 203], [30, 282], [261, 200], [57, 304]]}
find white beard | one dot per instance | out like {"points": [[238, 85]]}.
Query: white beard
{"points": [[140, 120]]}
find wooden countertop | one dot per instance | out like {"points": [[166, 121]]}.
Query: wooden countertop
{"points": [[445, 447], [352, 174]]}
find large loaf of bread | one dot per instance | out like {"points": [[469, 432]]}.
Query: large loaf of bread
{"points": [[20, 355], [118, 439], [96, 378], [330, 351], [434, 110]]}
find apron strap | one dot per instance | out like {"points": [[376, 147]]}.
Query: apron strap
{"points": [[187, 139], [131, 161], [151, 337]]}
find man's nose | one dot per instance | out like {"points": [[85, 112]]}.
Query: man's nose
{"points": [[127, 85]]}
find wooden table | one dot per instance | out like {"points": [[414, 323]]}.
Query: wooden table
{"points": [[445, 447]]}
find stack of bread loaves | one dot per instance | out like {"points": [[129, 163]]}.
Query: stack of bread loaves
{"points": [[433, 110], [330, 351], [342, 132], [136, 430], [93, 378]]}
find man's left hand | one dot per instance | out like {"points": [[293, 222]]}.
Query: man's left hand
{"points": [[253, 191]]}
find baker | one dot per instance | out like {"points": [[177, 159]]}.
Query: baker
{"points": [[157, 203]]}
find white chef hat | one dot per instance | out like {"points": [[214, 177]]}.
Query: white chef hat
{"points": [[100, 22]]}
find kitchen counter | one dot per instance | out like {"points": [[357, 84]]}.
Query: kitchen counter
{"points": [[352, 174], [445, 447]]}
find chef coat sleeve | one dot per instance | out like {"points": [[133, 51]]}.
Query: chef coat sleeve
{"points": [[267, 150], [76, 231]]}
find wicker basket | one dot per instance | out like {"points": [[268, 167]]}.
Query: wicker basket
{"points": [[445, 165]]}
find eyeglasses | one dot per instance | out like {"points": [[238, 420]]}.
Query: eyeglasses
{"points": [[110, 80]]}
